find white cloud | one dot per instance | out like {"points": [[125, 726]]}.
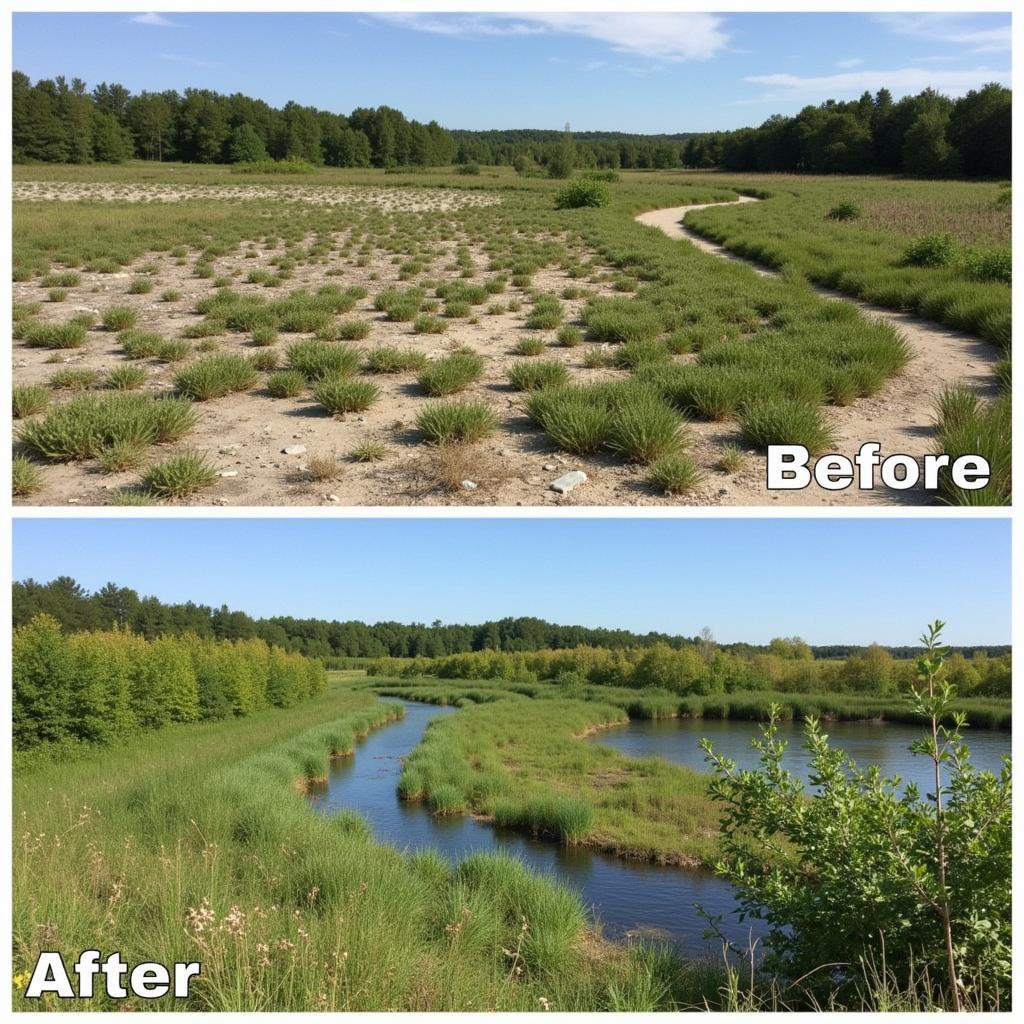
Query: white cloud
{"points": [[956, 29], [900, 81], [850, 62], [152, 18], [669, 37]]}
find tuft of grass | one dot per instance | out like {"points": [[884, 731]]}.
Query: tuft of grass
{"points": [[141, 344], [731, 458], [140, 286], [569, 336], [461, 422], [368, 451], [25, 479], [28, 400], [389, 359], [322, 468], [170, 295], [264, 335], [121, 456], [569, 416], [85, 426], [643, 428], [173, 351], [530, 375], [54, 335], [74, 379], [339, 395], [426, 323], [264, 361], [316, 360], [768, 421], [353, 330], [179, 476], [286, 384], [125, 378], [675, 474], [215, 377], [968, 426], [119, 318], [529, 347], [451, 374]]}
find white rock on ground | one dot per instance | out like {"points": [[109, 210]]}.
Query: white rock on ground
{"points": [[566, 483]]}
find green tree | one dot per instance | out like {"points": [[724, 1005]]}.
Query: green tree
{"points": [[563, 158], [111, 143], [246, 145], [41, 676]]}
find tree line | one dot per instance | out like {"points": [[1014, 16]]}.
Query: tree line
{"points": [[122, 607], [927, 136], [57, 121], [704, 668], [97, 686]]}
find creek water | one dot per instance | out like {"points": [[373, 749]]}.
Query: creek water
{"points": [[884, 744], [628, 898]]}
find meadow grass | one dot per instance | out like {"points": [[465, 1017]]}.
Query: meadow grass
{"points": [[197, 843]]}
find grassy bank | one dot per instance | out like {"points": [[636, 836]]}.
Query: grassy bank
{"points": [[652, 703], [197, 844]]}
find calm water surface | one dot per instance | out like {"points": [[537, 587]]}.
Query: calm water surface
{"points": [[883, 744]]}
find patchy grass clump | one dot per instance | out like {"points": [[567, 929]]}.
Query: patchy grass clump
{"points": [[180, 476], [451, 374], [28, 400], [529, 375], [339, 395], [459, 422], [215, 377]]}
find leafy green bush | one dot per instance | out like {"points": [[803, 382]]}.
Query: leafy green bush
{"points": [[582, 192], [922, 876], [844, 211], [930, 251], [990, 264]]}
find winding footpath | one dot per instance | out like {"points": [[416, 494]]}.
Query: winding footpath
{"points": [[901, 417]]}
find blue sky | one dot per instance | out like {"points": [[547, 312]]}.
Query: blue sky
{"points": [[834, 580], [600, 71]]}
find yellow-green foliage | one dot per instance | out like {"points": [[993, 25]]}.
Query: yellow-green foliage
{"points": [[98, 686]]}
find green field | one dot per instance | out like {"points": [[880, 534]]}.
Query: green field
{"points": [[658, 362]]}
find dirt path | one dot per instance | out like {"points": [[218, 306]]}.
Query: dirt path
{"points": [[901, 417]]}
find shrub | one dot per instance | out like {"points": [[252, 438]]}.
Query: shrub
{"points": [[451, 374], [769, 421], [53, 335], [990, 264], [844, 211], [286, 384], [179, 476], [215, 377], [119, 318], [582, 192], [28, 400], [930, 251], [126, 378], [675, 474], [529, 375], [318, 359], [471, 169], [462, 422], [339, 395]]}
